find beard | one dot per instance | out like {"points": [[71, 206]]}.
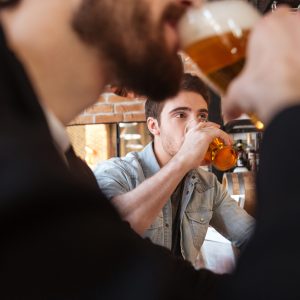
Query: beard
{"points": [[170, 144], [134, 49]]}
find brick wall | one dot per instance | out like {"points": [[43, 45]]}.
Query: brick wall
{"points": [[111, 108]]}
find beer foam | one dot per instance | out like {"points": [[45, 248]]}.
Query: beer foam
{"points": [[212, 19]]}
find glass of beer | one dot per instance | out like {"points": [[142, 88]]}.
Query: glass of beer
{"points": [[221, 156], [215, 36]]}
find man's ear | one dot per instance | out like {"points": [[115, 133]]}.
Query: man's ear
{"points": [[153, 126]]}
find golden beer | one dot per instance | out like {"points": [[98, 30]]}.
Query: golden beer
{"points": [[219, 63], [222, 157], [215, 37]]}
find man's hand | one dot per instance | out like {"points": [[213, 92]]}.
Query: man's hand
{"points": [[270, 80], [196, 143]]}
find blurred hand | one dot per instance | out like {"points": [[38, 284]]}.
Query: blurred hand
{"points": [[270, 80], [197, 139]]}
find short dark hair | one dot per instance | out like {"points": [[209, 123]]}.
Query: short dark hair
{"points": [[189, 83]]}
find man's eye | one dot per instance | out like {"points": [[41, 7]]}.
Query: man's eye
{"points": [[180, 115], [203, 117]]}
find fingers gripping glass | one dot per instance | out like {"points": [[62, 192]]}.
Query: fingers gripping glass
{"points": [[222, 157]]}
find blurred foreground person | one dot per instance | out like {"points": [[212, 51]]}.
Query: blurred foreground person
{"points": [[60, 237]]}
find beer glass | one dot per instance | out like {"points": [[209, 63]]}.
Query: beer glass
{"points": [[221, 156], [215, 37]]}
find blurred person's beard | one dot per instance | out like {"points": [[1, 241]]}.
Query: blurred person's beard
{"points": [[135, 49]]}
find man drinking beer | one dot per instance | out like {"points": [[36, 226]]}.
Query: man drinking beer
{"points": [[60, 238]]}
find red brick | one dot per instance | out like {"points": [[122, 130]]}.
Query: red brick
{"points": [[134, 117], [82, 120], [117, 99], [134, 107], [100, 108], [108, 118]]}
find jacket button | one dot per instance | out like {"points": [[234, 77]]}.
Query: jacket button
{"points": [[167, 225]]}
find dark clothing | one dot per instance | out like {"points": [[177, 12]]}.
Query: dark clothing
{"points": [[176, 209], [79, 168], [270, 266], [54, 237]]}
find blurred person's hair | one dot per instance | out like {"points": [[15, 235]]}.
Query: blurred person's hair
{"points": [[4, 3]]}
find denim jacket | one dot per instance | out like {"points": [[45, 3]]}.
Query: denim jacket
{"points": [[204, 202]]}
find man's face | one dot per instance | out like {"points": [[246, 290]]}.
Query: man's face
{"points": [[138, 41], [179, 113]]}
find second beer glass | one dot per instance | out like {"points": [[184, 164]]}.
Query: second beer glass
{"points": [[215, 36]]}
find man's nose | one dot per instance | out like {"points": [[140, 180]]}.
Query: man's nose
{"points": [[191, 123]]}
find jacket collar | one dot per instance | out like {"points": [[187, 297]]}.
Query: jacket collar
{"points": [[148, 161]]}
